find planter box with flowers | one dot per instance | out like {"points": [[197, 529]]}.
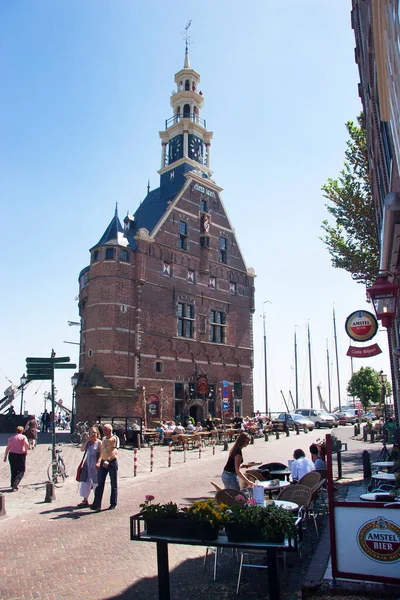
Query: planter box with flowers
{"points": [[199, 521], [248, 522]]}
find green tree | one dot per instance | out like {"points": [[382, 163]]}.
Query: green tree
{"points": [[352, 241], [365, 385]]}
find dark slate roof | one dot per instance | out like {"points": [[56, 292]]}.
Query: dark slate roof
{"points": [[114, 234], [151, 210]]}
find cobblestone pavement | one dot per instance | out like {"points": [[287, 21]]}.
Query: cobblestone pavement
{"points": [[57, 551]]}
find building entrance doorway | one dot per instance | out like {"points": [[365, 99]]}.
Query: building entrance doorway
{"points": [[196, 412]]}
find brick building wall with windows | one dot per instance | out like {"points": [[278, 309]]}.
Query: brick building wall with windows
{"points": [[166, 303]]}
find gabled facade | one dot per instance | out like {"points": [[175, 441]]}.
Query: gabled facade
{"points": [[166, 303]]}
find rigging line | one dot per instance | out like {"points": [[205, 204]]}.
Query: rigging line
{"points": [[5, 377]]}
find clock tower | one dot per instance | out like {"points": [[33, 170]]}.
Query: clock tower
{"points": [[185, 140]]}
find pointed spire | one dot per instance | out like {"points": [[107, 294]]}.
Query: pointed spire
{"points": [[116, 210], [187, 59], [148, 186], [113, 231]]}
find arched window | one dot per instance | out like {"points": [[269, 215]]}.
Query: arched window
{"points": [[187, 85], [178, 115], [195, 114], [186, 111]]}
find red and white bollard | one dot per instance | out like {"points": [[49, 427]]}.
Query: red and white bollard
{"points": [[213, 446], [169, 453], [200, 450], [184, 451], [134, 462], [151, 458]]}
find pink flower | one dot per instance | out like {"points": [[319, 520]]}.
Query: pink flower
{"points": [[149, 497], [251, 502], [240, 497]]}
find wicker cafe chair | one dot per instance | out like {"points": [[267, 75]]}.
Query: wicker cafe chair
{"points": [[256, 475], [310, 479], [218, 488], [302, 495], [227, 496]]}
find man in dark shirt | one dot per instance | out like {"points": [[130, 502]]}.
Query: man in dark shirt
{"points": [[237, 421]]}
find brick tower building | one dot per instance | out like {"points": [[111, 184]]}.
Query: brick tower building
{"points": [[166, 303]]}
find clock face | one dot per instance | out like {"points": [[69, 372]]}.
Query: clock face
{"points": [[196, 148], [175, 148]]}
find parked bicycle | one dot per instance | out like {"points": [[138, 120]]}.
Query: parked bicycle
{"points": [[80, 433], [57, 471], [385, 454]]}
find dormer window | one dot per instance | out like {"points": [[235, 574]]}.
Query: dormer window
{"points": [[109, 254], [95, 255]]}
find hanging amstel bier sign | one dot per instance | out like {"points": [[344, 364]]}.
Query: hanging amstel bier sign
{"points": [[379, 539], [361, 326]]}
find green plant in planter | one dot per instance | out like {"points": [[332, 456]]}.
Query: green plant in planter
{"points": [[169, 510], [273, 521], [200, 510]]}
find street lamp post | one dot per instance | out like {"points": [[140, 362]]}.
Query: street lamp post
{"points": [[74, 383], [144, 407], [265, 358], [383, 379], [23, 380], [161, 403]]}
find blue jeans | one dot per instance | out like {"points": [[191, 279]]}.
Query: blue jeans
{"points": [[112, 470], [230, 481]]}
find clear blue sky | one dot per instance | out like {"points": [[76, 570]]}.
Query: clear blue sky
{"points": [[86, 89]]}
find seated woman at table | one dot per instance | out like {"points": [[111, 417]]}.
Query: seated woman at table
{"points": [[315, 457], [232, 473], [301, 465], [198, 427], [209, 423], [189, 426]]}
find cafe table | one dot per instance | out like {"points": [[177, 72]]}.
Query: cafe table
{"points": [[378, 497], [272, 486], [384, 476], [386, 464], [271, 549], [282, 504]]}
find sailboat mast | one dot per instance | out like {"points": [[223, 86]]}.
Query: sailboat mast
{"points": [[265, 361], [337, 358], [295, 370], [309, 364], [329, 377]]}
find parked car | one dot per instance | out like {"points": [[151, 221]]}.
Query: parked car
{"points": [[348, 417], [303, 422], [336, 419], [341, 418], [319, 417], [278, 423]]}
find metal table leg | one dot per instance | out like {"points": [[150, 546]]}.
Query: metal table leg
{"points": [[163, 571], [273, 577]]}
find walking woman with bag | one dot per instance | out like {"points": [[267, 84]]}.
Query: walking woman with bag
{"points": [[88, 476], [17, 449]]}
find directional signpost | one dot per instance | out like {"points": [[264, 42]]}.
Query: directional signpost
{"points": [[43, 368], [225, 407]]}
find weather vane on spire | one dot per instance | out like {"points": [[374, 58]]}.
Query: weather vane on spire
{"points": [[185, 34]]}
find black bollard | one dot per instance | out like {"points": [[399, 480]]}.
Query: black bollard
{"points": [[265, 436], [50, 492], [2, 505], [365, 434], [366, 464], [355, 429], [297, 430], [372, 436], [277, 434], [251, 440]]}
